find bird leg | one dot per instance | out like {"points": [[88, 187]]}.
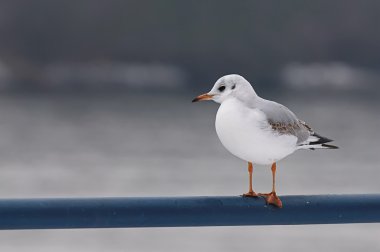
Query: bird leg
{"points": [[250, 192], [272, 198]]}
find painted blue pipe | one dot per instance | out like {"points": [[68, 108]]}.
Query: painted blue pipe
{"points": [[186, 211]]}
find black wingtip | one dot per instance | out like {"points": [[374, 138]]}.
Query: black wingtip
{"points": [[330, 146], [321, 139]]}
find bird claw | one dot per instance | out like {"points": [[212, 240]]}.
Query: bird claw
{"points": [[272, 199]]}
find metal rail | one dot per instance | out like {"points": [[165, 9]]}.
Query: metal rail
{"points": [[185, 211]]}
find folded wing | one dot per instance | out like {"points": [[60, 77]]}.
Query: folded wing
{"points": [[284, 121]]}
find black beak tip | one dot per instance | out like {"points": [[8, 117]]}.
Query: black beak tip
{"points": [[195, 99]]}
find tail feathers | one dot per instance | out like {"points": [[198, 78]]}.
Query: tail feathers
{"points": [[316, 141], [317, 146]]}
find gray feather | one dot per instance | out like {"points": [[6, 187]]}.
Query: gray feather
{"points": [[283, 120]]}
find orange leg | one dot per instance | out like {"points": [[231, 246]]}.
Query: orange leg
{"points": [[272, 198], [250, 192]]}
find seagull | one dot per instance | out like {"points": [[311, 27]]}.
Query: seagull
{"points": [[258, 131]]}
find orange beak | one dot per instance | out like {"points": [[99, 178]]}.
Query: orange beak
{"points": [[202, 97]]}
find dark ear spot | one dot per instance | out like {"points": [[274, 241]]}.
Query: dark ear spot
{"points": [[233, 87]]}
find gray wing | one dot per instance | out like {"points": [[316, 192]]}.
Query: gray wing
{"points": [[284, 121]]}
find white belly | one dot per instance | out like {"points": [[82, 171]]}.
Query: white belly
{"points": [[245, 133]]}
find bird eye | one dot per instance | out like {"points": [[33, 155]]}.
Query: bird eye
{"points": [[233, 87], [221, 88]]}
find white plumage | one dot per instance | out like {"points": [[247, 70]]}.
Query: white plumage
{"points": [[257, 130], [246, 133]]}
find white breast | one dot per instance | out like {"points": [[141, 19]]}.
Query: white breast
{"points": [[246, 133]]}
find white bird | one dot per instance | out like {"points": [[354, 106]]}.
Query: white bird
{"points": [[258, 131]]}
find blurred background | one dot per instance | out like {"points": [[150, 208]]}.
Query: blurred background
{"points": [[95, 101]]}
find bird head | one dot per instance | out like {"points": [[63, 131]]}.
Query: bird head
{"points": [[232, 85]]}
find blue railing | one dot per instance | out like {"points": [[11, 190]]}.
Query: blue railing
{"points": [[186, 211]]}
